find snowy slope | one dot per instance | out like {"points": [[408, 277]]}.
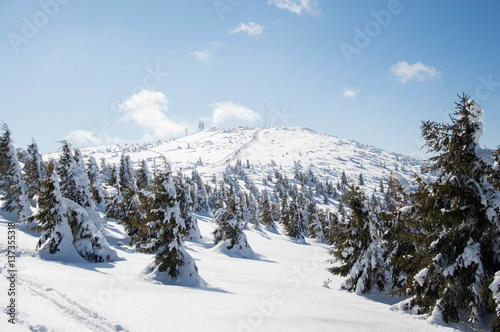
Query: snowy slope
{"points": [[280, 291], [327, 156]]}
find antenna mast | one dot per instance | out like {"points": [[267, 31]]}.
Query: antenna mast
{"points": [[265, 121]]}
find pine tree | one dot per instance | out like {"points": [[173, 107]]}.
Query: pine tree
{"points": [[456, 221], [66, 227], [96, 185], [33, 169], [359, 246], [52, 219], [295, 223], [113, 177], [361, 180], [75, 184], [398, 193], [125, 172], [229, 232], [167, 229], [264, 210], [104, 170], [494, 178], [313, 225], [186, 208], [200, 197], [65, 171], [143, 175], [15, 199]]}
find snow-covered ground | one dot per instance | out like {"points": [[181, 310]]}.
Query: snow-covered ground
{"points": [[280, 291], [289, 148]]}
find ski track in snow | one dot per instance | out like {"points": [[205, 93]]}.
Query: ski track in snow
{"points": [[69, 308], [233, 155]]}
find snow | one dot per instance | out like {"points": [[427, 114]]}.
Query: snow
{"points": [[420, 276], [476, 117], [280, 289], [286, 148]]}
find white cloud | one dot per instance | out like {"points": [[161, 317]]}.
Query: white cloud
{"points": [[252, 29], [297, 6], [206, 54], [86, 138], [419, 72], [226, 110], [147, 109], [350, 93]]}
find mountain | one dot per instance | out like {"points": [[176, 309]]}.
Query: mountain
{"points": [[285, 148], [280, 289]]}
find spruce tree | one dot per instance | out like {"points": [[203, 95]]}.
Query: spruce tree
{"points": [[33, 170], [358, 247], [229, 233], [15, 199], [264, 211], [125, 172], [456, 221], [295, 222], [186, 208], [167, 229], [397, 194], [143, 175], [66, 227], [51, 218], [96, 185]]}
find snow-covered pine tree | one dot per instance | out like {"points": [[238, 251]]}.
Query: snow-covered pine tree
{"points": [[143, 175], [104, 170], [167, 229], [494, 302], [96, 185], [229, 235], [398, 192], [264, 212], [456, 222], [52, 218], [65, 169], [113, 177], [200, 197], [67, 230], [495, 171], [81, 192], [295, 222], [284, 210], [125, 172], [358, 246], [186, 208], [275, 208], [132, 207], [33, 169], [15, 199]]}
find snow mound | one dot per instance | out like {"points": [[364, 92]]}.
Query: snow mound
{"points": [[188, 274], [236, 251]]}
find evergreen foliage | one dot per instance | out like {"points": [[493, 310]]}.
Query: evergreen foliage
{"points": [[96, 185], [33, 170], [12, 180], [455, 222], [358, 246], [167, 228]]}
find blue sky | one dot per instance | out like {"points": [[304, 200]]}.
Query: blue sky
{"points": [[98, 72]]}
